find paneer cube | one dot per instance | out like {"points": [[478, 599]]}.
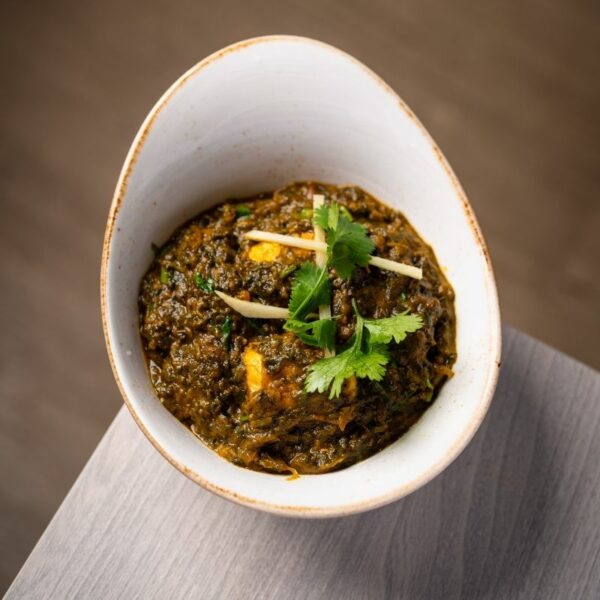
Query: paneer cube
{"points": [[255, 370], [264, 252]]}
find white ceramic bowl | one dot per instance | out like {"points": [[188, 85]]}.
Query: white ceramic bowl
{"points": [[253, 117]]}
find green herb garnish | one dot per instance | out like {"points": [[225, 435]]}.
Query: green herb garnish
{"points": [[366, 355], [243, 210], [165, 278], [346, 213], [310, 289], [206, 285], [226, 332], [383, 331], [348, 245], [319, 333]]}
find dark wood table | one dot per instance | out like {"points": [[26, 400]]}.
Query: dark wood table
{"points": [[516, 516]]}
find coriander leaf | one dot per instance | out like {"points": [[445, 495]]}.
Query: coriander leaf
{"points": [[319, 333], [206, 285], [326, 216], [310, 289], [383, 331], [226, 332], [348, 245], [334, 370], [242, 210], [371, 364], [346, 213], [366, 356]]}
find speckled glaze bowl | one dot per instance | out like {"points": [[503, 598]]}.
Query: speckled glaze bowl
{"points": [[253, 117]]}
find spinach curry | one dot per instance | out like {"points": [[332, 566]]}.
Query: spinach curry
{"points": [[257, 391]]}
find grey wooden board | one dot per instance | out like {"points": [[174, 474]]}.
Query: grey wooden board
{"points": [[516, 516]]}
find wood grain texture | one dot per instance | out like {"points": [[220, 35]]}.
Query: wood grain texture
{"points": [[510, 91], [516, 516]]}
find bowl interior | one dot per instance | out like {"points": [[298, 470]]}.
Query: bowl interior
{"points": [[252, 118]]}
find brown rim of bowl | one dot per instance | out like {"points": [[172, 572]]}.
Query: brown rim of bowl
{"points": [[493, 308]]}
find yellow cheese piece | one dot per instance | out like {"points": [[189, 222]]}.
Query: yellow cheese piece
{"points": [[264, 252], [255, 370]]}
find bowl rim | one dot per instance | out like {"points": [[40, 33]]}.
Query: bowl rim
{"points": [[494, 309]]}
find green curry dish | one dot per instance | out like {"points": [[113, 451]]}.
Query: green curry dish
{"points": [[238, 381], [365, 357]]}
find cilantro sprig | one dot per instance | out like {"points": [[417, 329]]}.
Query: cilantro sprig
{"points": [[320, 333], [383, 331], [348, 245], [311, 289], [366, 355]]}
